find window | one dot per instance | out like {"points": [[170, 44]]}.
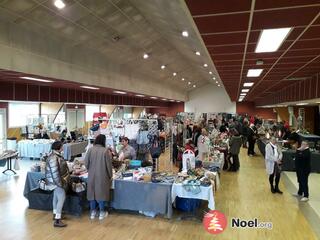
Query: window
{"points": [[19, 112], [90, 110]]}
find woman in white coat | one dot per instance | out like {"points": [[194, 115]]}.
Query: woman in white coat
{"points": [[273, 159]]}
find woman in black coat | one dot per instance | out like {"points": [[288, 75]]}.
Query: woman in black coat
{"points": [[303, 169]]}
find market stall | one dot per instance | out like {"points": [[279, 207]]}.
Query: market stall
{"points": [[34, 148], [73, 149]]}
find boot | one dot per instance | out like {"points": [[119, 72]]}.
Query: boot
{"points": [[277, 190], [59, 223], [272, 189]]}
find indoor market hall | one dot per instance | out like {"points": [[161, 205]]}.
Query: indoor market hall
{"points": [[160, 119]]}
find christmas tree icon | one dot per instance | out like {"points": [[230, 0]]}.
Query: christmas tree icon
{"points": [[214, 223]]}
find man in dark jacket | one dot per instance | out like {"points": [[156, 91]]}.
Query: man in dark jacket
{"points": [[303, 168], [252, 136], [235, 145]]}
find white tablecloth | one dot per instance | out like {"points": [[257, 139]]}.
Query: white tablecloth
{"points": [[34, 148], [205, 194]]}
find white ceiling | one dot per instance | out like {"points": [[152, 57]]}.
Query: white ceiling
{"points": [[142, 26]]}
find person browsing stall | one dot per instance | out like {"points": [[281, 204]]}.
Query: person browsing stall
{"points": [[57, 179], [273, 160], [303, 169], [98, 161], [127, 152]]}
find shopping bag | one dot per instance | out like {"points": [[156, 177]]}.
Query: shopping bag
{"points": [[16, 164]]}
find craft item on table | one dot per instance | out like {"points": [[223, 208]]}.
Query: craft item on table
{"points": [[35, 167], [188, 160], [192, 186], [78, 168], [127, 176], [205, 182]]}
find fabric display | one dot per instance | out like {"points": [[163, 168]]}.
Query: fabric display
{"points": [[131, 130]]}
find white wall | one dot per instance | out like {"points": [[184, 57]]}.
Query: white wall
{"points": [[209, 99]]}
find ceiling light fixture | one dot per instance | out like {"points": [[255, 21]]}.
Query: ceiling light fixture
{"points": [[189, 83], [194, 85], [248, 84], [254, 72], [205, 65], [271, 39], [139, 95], [37, 79], [174, 74], [120, 92], [214, 78], [198, 53], [59, 4], [243, 94], [302, 104], [164, 99], [145, 56], [89, 87], [182, 79], [218, 85], [154, 97], [240, 100], [163, 67], [217, 82], [171, 100], [245, 90], [185, 34], [210, 73]]}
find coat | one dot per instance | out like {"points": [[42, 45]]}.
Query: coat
{"points": [[303, 162], [99, 166], [235, 145], [56, 172], [270, 158]]}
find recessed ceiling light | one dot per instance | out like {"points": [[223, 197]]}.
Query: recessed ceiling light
{"points": [[174, 74], [198, 53], [182, 79], [205, 65], [189, 83], [243, 94], [271, 39], [254, 72], [59, 4], [163, 66], [164, 99], [194, 85], [145, 56], [240, 100], [218, 85], [185, 34], [154, 97], [37, 79], [248, 84], [171, 100], [120, 92], [245, 90], [89, 87], [302, 104], [217, 82], [214, 78], [210, 72], [139, 95]]}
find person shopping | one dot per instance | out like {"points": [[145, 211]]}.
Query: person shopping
{"points": [[57, 179], [273, 159], [99, 166], [252, 136], [303, 169], [235, 145]]}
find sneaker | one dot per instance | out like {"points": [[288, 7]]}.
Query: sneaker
{"points": [[296, 195], [59, 223], [103, 215], [93, 214], [304, 199]]}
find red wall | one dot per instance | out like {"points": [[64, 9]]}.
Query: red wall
{"points": [[170, 111], [250, 108]]}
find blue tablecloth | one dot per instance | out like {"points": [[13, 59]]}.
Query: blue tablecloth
{"points": [[128, 195], [73, 149]]}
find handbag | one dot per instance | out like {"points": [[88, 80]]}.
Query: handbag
{"points": [[43, 185], [155, 150], [78, 187]]}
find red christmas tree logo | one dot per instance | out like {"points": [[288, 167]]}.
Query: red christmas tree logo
{"points": [[214, 222]]}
